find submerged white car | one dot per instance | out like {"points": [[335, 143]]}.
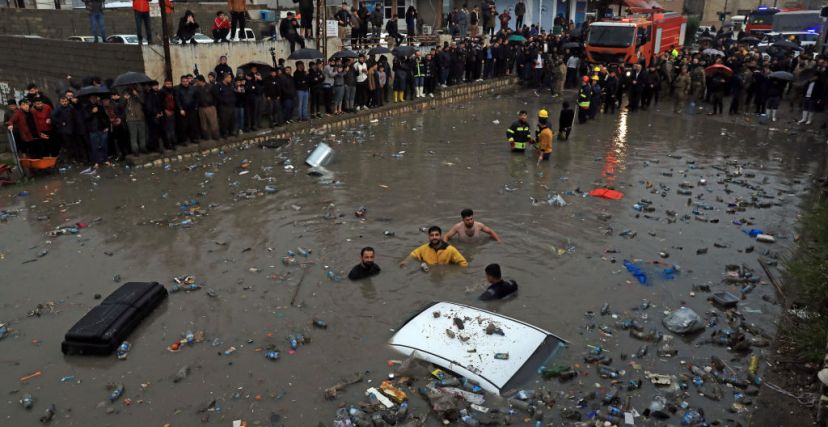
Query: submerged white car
{"points": [[497, 352]]}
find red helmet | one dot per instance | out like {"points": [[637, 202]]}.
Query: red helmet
{"points": [[586, 79]]}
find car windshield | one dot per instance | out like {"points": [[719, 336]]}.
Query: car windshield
{"points": [[760, 19], [610, 35], [130, 39]]}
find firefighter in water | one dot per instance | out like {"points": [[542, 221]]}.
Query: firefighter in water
{"points": [[518, 134], [584, 96], [543, 136]]}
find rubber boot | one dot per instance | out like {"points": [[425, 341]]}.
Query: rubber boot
{"points": [[810, 117], [804, 117]]}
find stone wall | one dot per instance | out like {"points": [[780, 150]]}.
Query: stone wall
{"points": [[48, 62], [60, 24]]}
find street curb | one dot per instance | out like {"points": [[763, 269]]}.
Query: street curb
{"points": [[447, 96]]}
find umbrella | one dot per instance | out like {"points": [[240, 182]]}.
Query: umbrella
{"points": [[403, 51], [571, 45], [93, 90], [517, 38], [306, 54], [718, 68], [343, 54], [262, 67], [725, 34], [785, 44], [714, 52], [379, 50], [781, 75], [705, 38], [749, 40], [131, 78]]}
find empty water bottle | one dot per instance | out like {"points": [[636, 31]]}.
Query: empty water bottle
{"points": [[690, 418], [189, 337], [272, 355], [27, 401], [123, 350], [116, 393]]}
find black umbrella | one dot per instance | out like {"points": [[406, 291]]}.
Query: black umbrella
{"points": [[131, 78], [93, 90], [344, 54], [749, 40], [785, 44], [379, 50], [306, 54], [403, 51], [781, 75], [571, 45]]}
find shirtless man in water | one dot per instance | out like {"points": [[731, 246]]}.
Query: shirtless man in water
{"points": [[468, 230]]}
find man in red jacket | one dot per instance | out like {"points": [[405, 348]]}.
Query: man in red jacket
{"points": [[42, 113], [23, 122], [140, 9]]}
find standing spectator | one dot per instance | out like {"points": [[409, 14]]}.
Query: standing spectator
{"points": [[135, 122], [153, 112], [225, 96], [207, 114], [300, 79], [63, 122], [520, 11], [238, 14], [96, 18], [222, 69], [23, 123], [288, 30], [240, 107], [418, 70], [167, 94], [187, 27], [186, 105], [273, 95], [338, 88], [504, 18], [343, 22], [288, 90], [356, 35], [400, 79], [140, 8], [376, 21], [306, 11], [254, 89], [316, 80], [361, 83], [474, 22], [350, 81], [97, 124], [430, 81], [364, 18], [329, 71], [42, 114], [221, 28], [119, 135], [411, 22], [463, 21]]}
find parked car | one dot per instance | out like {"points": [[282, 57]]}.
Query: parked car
{"points": [[198, 37], [85, 39], [123, 39]]}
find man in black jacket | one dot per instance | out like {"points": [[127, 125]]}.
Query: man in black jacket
{"points": [[225, 96], [306, 10], [288, 30], [254, 88], [288, 90], [187, 106], [273, 95]]}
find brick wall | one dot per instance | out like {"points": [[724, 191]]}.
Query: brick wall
{"points": [[48, 62]]}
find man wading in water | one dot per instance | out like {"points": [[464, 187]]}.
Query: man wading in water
{"points": [[468, 230]]}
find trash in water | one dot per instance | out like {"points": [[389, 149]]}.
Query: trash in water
{"points": [[683, 321]]}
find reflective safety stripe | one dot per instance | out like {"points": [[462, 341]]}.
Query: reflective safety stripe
{"points": [[510, 130], [520, 146], [584, 104]]}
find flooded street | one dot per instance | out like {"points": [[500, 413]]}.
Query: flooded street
{"points": [[408, 172]]}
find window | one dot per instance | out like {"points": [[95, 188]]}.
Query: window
{"points": [[389, 10]]}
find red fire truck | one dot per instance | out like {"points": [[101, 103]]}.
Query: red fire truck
{"points": [[635, 38]]}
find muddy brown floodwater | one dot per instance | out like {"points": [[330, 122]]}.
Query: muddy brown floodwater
{"points": [[409, 172]]}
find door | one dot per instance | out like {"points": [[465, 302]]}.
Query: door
{"points": [[657, 43]]}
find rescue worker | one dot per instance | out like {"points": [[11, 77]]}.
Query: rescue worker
{"points": [[595, 101], [544, 145], [518, 133], [584, 96], [543, 114], [698, 86]]}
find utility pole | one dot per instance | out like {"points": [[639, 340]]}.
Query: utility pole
{"points": [[322, 27], [165, 39]]}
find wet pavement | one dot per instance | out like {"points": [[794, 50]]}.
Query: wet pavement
{"points": [[220, 219]]}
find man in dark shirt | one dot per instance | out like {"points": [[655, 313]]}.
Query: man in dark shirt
{"points": [[288, 89], [366, 268], [273, 94], [498, 288], [565, 121]]}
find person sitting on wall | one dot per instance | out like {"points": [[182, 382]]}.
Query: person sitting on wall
{"points": [[221, 28], [187, 27]]}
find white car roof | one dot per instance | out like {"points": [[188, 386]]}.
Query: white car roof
{"points": [[471, 352]]}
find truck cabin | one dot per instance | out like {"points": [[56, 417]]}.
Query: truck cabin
{"points": [[618, 42]]}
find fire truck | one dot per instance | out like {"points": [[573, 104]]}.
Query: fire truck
{"points": [[635, 38], [761, 20]]}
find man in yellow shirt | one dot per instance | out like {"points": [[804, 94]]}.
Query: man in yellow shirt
{"points": [[544, 144], [436, 251]]}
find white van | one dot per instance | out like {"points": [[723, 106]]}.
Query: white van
{"points": [[251, 36]]}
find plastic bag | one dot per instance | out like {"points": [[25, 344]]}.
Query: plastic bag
{"points": [[683, 321]]}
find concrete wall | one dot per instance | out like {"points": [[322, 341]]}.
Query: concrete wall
{"points": [[48, 63], [60, 24], [206, 56]]}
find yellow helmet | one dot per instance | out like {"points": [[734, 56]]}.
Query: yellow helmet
{"points": [[596, 69], [543, 114]]}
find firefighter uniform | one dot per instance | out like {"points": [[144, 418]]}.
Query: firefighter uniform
{"points": [[584, 96], [518, 135]]}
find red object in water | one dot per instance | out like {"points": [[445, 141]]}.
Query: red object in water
{"points": [[606, 193]]}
